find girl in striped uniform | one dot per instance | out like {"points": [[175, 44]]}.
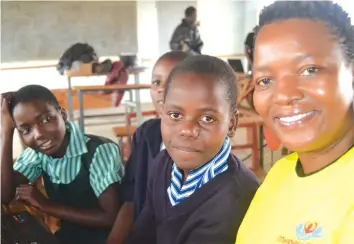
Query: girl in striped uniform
{"points": [[81, 173]]}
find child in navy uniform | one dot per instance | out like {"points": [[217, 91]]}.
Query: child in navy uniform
{"points": [[198, 191], [81, 173], [146, 144]]}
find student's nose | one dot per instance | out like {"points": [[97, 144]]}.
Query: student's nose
{"points": [[287, 91], [38, 132], [161, 88], [190, 130]]}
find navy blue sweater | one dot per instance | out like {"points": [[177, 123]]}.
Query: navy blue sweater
{"points": [[146, 144], [211, 215]]}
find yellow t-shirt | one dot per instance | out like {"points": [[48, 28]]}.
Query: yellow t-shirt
{"points": [[315, 209]]}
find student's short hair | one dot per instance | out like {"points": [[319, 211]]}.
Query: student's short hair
{"points": [[328, 12], [190, 11], [210, 66], [176, 56], [33, 92]]}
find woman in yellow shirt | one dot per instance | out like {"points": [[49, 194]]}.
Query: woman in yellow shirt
{"points": [[304, 88]]}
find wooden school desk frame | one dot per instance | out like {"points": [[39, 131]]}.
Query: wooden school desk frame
{"points": [[81, 90], [85, 70]]}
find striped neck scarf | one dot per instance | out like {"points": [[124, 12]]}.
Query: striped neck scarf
{"points": [[178, 191]]}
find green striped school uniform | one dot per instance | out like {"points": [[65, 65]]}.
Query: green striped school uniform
{"points": [[72, 181], [104, 169]]}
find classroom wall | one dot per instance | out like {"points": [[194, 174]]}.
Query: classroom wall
{"points": [[222, 26], [41, 30]]}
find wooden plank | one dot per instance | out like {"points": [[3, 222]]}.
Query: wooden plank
{"points": [[121, 131], [112, 87], [91, 101]]}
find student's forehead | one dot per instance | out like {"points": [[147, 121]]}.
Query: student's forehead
{"points": [[35, 106], [164, 64], [188, 87]]}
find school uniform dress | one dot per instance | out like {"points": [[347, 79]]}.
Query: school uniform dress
{"points": [[74, 182], [146, 144], [207, 208], [291, 207]]}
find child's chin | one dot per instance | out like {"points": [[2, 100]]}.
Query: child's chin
{"points": [[188, 164]]}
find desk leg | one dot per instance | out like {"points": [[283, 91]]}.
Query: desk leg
{"points": [[261, 147], [81, 109], [70, 101], [139, 115]]}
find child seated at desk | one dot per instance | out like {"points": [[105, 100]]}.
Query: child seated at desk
{"points": [[146, 144], [81, 173], [198, 191]]}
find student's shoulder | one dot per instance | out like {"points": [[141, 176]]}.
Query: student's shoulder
{"points": [[162, 162], [149, 127], [94, 141], [243, 178], [99, 146]]}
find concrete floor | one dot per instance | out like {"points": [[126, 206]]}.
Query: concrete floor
{"points": [[103, 127]]}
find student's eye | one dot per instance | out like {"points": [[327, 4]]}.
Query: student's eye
{"points": [[207, 119], [264, 81], [309, 71], [46, 120], [175, 116], [156, 82], [25, 131]]}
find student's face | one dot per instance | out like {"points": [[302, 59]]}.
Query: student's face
{"points": [[304, 90], [196, 119], [41, 126], [159, 76]]}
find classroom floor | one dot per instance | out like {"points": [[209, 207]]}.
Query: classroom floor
{"points": [[103, 126]]}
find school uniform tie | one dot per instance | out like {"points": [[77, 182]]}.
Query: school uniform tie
{"points": [[177, 191]]}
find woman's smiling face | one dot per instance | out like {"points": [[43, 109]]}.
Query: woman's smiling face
{"points": [[304, 87]]}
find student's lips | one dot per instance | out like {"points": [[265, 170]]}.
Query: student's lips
{"points": [[185, 149], [46, 145]]}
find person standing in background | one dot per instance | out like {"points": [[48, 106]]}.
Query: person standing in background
{"points": [[186, 36], [249, 46]]}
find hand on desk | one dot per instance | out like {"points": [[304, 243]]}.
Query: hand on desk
{"points": [[31, 195]]}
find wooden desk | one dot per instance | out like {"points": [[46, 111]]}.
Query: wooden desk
{"points": [[85, 70], [82, 89]]}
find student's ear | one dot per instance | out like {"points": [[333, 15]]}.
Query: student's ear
{"points": [[64, 114], [233, 124]]}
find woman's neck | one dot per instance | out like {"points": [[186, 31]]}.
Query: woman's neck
{"points": [[314, 161]]}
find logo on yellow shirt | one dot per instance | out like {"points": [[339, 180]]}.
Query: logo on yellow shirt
{"points": [[308, 231]]}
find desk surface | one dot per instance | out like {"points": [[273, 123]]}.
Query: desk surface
{"points": [[85, 70], [112, 87]]}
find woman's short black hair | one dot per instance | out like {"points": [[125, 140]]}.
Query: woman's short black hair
{"points": [[328, 12], [33, 92], [210, 66]]}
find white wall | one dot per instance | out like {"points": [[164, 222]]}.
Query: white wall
{"points": [[221, 27]]}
